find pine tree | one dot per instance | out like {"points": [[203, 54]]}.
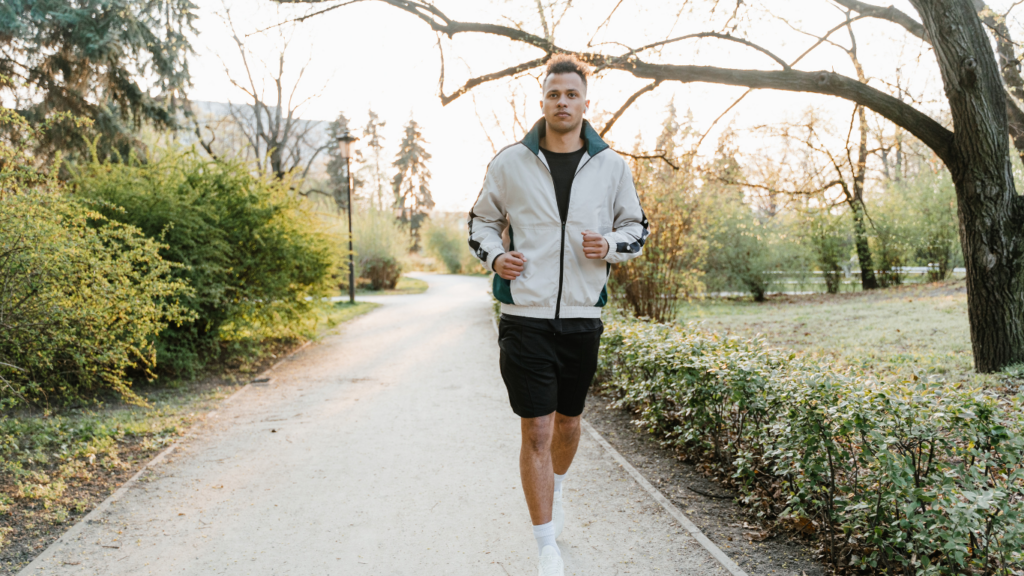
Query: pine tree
{"points": [[86, 57], [666, 141], [372, 171], [338, 178], [411, 183]]}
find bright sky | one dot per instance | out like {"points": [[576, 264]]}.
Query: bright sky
{"points": [[370, 55]]}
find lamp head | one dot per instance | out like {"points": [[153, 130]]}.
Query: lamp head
{"points": [[345, 140]]}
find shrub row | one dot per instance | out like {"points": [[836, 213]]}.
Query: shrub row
{"points": [[908, 477]]}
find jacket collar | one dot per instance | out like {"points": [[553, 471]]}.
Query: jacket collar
{"points": [[593, 142]]}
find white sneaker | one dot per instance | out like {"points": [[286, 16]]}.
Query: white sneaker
{"points": [[558, 513], [550, 563]]}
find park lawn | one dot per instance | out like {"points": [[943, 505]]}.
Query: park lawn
{"points": [[56, 465], [406, 285], [918, 329]]}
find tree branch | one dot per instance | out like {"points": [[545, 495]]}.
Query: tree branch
{"points": [[629, 102], [890, 13], [718, 35], [771, 190], [474, 82], [659, 155], [304, 17], [933, 134], [590, 43]]}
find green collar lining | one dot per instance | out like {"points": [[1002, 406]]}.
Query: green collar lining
{"points": [[593, 141]]}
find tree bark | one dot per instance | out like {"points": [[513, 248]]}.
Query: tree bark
{"points": [[860, 233], [988, 206], [868, 281]]}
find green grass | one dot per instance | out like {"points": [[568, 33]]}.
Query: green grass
{"points": [[55, 465], [918, 329], [406, 285], [337, 313]]}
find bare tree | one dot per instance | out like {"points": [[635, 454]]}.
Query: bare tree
{"points": [[279, 140], [980, 93]]}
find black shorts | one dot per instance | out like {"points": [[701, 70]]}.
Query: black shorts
{"points": [[545, 371]]}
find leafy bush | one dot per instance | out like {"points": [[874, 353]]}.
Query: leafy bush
{"points": [[831, 244], [932, 221], [379, 243], [670, 268], [908, 477], [445, 239], [740, 249], [245, 246], [893, 241], [81, 299]]}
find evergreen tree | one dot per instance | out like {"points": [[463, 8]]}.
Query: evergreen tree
{"points": [[338, 178], [372, 172], [411, 183], [666, 141], [87, 56]]}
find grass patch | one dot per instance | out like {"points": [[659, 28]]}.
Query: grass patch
{"points": [[337, 313], [406, 285], [918, 329], [56, 466]]}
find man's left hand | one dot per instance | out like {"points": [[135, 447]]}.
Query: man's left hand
{"points": [[595, 246]]}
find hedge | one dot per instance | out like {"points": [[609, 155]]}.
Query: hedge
{"points": [[907, 477]]}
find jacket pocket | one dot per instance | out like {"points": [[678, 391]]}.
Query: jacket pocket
{"points": [[502, 289]]}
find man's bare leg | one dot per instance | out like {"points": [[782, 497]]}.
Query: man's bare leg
{"points": [[565, 442], [535, 466], [549, 446]]}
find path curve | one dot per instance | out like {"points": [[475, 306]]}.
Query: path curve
{"points": [[386, 449]]}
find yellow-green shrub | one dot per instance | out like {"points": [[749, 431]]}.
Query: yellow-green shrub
{"points": [[244, 243], [380, 241], [445, 239], [81, 298]]}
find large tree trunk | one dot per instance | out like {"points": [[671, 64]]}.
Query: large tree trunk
{"points": [[860, 233], [987, 203], [868, 281]]}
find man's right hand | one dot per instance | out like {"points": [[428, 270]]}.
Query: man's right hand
{"points": [[509, 265]]}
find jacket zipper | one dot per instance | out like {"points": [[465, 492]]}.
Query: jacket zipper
{"points": [[561, 250], [561, 264]]}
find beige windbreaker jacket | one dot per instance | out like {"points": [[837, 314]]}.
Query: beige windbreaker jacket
{"points": [[558, 281]]}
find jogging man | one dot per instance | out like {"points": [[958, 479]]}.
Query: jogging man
{"points": [[570, 210]]}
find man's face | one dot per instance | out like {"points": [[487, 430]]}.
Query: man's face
{"points": [[564, 102]]}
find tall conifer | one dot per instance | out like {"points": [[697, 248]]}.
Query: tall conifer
{"points": [[411, 183]]}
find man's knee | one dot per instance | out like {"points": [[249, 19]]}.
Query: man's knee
{"points": [[537, 434], [567, 425]]}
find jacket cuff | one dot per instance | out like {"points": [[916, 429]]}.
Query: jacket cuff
{"points": [[491, 257], [613, 242]]}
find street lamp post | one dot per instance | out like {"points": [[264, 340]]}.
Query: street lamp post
{"points": [[345, 141]]}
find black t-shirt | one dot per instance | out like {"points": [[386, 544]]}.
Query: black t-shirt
{"points": [[563, 169]]}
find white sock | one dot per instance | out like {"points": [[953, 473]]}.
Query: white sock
{"points": [[559, 478], [545, 535]]}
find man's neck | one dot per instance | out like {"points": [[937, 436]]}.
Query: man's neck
{"points": [[559, 142]]}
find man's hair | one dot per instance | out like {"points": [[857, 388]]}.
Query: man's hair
{"points": [[567, 64]]}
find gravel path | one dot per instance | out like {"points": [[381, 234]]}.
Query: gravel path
{"points": [[387, 449]]}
